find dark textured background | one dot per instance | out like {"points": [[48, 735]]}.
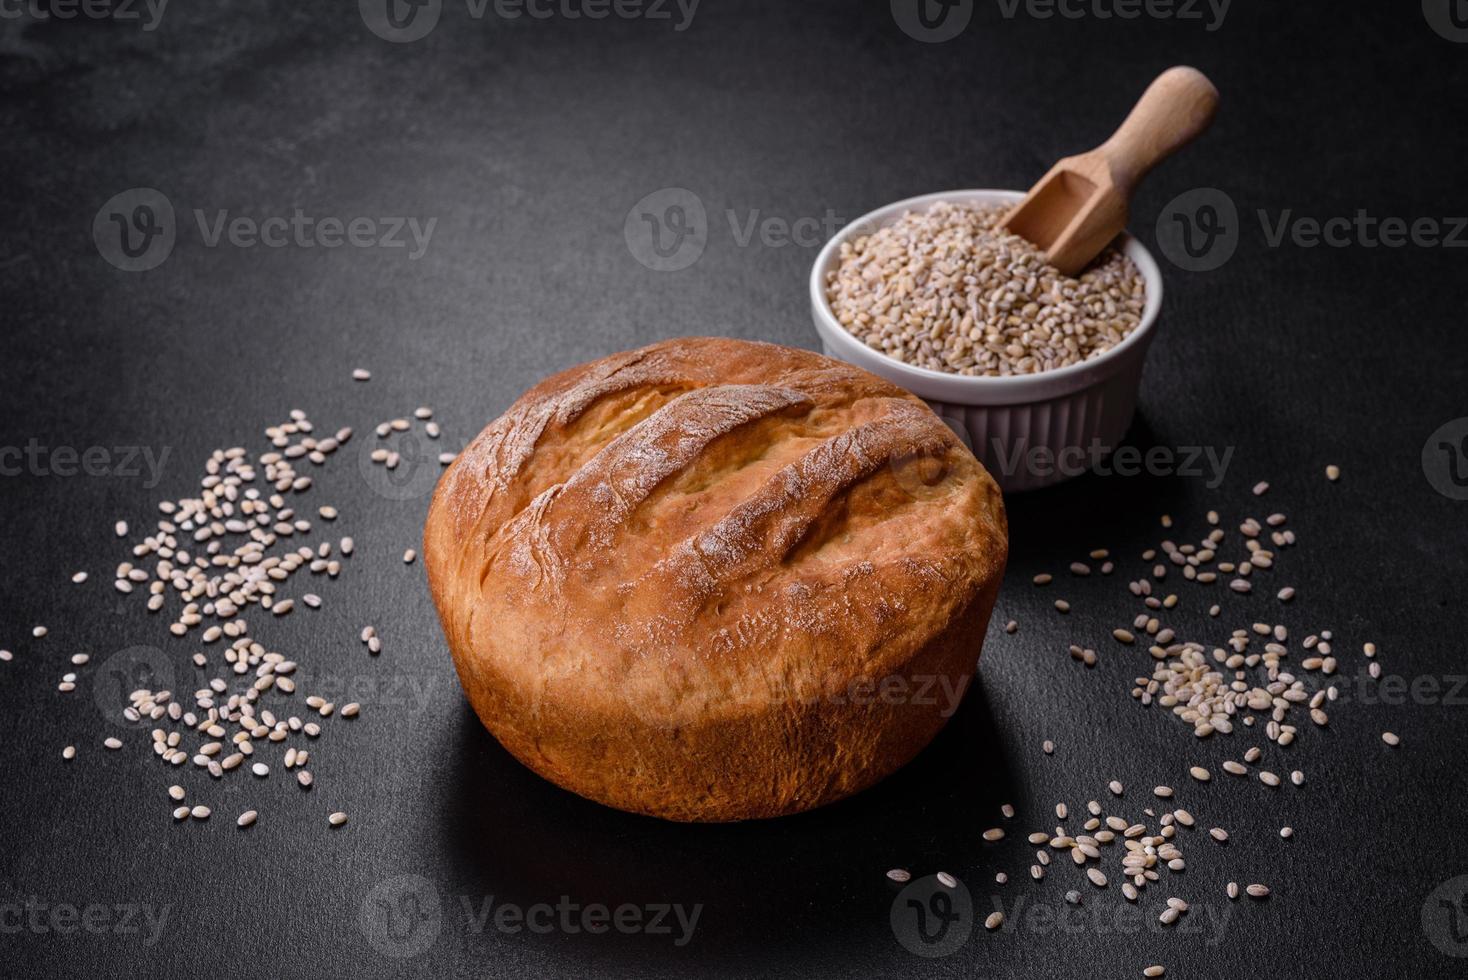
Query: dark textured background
{"points": [[529, 141]]}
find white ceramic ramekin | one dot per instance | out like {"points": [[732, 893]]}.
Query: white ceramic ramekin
{"points": [[1029, 431]]}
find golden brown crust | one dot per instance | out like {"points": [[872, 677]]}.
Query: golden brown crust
{"points": [[674, 580]]}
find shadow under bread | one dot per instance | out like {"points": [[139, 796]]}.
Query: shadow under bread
{"points": [[819, 875]]}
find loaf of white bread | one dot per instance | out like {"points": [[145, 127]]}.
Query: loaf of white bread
{"points": [[707, 580]]}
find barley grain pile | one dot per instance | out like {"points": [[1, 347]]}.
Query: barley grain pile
{"points": [[232, 548], [947, 289], [1241, 690]]}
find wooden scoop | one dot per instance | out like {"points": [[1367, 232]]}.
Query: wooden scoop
{"points": [[1081, 204]]}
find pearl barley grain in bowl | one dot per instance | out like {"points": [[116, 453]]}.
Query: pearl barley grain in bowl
{"points": [[949, 289], [1036, 370]]}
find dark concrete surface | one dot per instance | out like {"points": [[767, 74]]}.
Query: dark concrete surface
{"points": [[528, 143]]}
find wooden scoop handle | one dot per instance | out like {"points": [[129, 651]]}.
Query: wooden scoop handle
{"points": [[1176, 107]]}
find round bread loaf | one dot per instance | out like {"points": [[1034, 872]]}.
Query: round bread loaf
{"points": [[714, 579]]}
